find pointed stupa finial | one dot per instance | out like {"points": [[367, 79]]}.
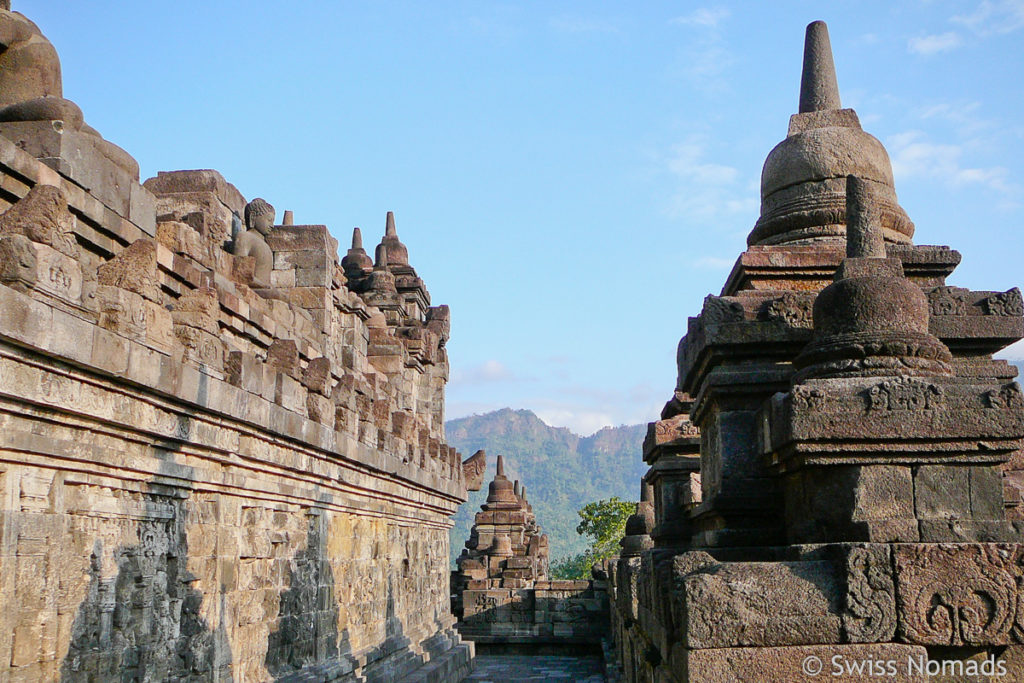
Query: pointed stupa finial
{"points": [[863, 220], [398, 255], [501, 468], [518, 489], [818, 87], [356, 263]]}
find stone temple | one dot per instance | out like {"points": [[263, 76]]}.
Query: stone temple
{"points": [[222, 449], [836, 481]]}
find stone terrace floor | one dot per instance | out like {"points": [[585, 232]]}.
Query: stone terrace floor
{"points": [[522, 668]]}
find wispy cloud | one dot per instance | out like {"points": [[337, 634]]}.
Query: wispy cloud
{"points": [[485, 373], [967, 118], [913, 155], [707, 56], [575, 24], [933, 44], [581, 407], [709, 17], [686, 163], [706, 189], [581, 421], [993, 18], [586, 409]]}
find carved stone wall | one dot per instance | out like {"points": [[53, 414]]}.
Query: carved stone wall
{"points": [[202, 478]]}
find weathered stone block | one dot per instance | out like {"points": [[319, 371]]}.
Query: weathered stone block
{"points": [[57, 274], [134, 269], [872, 503], [121, 311], [761, 603], [199, 346], [869, 600], [942, 492], [283, 355], [17, 262]]}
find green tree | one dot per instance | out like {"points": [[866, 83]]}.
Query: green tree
{"points": [[604, 521]]}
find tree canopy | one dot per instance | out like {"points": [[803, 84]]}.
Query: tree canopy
{"points": [[604, 522]]}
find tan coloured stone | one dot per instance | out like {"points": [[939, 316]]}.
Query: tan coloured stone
{"points": [[58, 274], [17, 262], [317, 376], [43, 217], [140, 545], [134, 269], [283, 354], [121, 311], [199, 309]]}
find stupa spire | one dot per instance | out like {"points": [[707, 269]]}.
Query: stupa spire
{"points": [[819, 90], [501, 468], [356, 262], [398, 255]]}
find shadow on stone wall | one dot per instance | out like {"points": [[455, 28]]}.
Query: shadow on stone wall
{"points": [[307, 633], [144, 624], [307, 645]]}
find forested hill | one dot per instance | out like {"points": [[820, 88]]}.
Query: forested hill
{"points": [[562, 471]]}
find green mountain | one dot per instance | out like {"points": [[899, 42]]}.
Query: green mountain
{"points": [[562, 471]]}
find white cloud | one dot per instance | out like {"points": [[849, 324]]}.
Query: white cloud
{"points": [[484, 373], [584, 409], [708, 17], [914, 156], [706, 54], [966, 117], [988, 18], [686, 163], [933, 44], [706, 189], [580, 421]]}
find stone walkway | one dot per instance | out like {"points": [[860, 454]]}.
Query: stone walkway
{"points": [[523, 668]]}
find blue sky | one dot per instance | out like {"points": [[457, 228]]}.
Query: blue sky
{"points": [[571, 178]]}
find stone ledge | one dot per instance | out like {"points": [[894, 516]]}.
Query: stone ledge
{"points": [[34, 325]]}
